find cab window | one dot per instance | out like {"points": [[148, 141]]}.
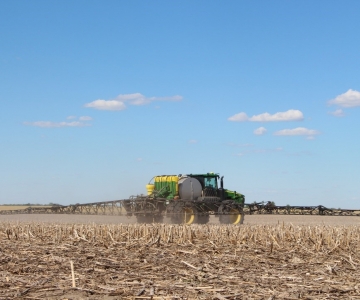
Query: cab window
{"points": [[211, 182]]}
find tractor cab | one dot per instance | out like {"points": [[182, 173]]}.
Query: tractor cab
{"points": [[209, 180], [209, 184], [211, 188]]}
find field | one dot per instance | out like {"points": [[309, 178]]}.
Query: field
{"points": [[14, 207], [269, 257]]}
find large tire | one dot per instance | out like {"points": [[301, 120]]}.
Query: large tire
{"points": [[231, 215], [184, 215]]}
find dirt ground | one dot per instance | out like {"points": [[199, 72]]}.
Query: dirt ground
{"points": [[269, 257], [249, 219]]}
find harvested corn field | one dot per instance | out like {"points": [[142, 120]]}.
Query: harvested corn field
{"points": [[130, 261], [249, 219]]}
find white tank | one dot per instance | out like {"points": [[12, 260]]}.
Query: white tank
{"points": [[189, 188]]}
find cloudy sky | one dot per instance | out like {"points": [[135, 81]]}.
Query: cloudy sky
{"points": [[97, 97]]}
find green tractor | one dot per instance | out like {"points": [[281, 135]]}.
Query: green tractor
{"points": [[187, 199]]}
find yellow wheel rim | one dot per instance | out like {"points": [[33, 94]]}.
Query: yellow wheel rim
{"points": [[189, 216], [235, 216]]}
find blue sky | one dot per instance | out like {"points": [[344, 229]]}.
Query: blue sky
{"points": [[97, 97]]}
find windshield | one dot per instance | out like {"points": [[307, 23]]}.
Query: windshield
{"points": [[210, 182]]}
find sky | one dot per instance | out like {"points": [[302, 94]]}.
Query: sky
{"points": [[97, 97]]}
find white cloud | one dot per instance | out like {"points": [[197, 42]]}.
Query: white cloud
{"points": [[139, 159], [48, 124], [139, 99], [71, 117], [118, 103], [193, 142], [349, 99], [260, 131], [297, 131], [290, 115], [240, 117], [337, 113], [106, 105], [85, 118]]}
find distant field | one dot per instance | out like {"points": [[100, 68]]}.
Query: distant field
{"points": [[13, 207]]}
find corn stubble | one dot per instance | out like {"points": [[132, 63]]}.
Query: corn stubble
{"points": [[158, 261]]}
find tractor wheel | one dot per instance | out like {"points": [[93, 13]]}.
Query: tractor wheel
{"points": [[184, 215], [231, 215], [188, 215]]}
